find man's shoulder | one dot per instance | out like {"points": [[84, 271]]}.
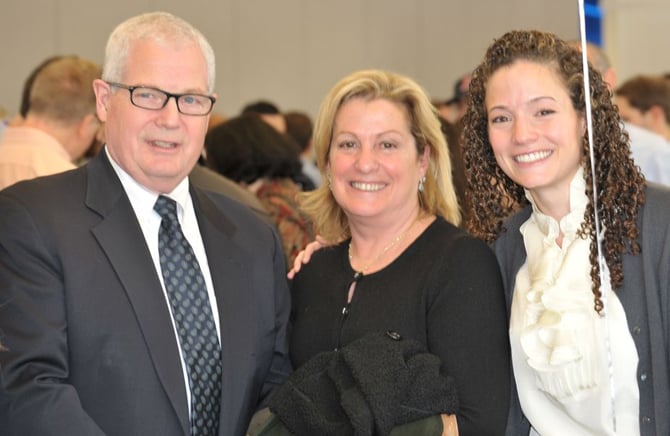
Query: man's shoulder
{"points": [[229, 212], [640, 137], [52, 187], [208, 180]]}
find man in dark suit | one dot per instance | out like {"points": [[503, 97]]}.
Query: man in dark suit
{"points": [[93, 342]]}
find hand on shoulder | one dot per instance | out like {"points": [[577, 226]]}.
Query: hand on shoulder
{"points": [[306, 254]]}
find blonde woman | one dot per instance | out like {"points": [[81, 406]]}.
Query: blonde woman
{"points": [[399, 262]]}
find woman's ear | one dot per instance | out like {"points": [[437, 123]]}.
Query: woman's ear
{"points": [[582, 125], [424, 159]]}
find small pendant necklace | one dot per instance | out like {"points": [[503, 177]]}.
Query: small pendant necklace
{"points": [[359, 274], [392, 244]]}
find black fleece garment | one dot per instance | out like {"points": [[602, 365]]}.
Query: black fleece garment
{"points": [[366, 388]]}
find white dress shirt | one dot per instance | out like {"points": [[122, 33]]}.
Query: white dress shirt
{"points": [[651, 152], [142, 201]]}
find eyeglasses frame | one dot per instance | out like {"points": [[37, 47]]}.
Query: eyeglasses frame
{"points": [[169, 95]]}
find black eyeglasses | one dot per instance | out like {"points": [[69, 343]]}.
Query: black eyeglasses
{"points": [[155, 99]]}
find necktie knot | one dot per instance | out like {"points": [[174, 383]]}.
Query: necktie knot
{"points": [[167, 209]]}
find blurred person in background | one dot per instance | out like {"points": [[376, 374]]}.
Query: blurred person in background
{"points": [[57, 123], [250, 152]]}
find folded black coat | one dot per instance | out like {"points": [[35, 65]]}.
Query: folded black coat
{"points": [[366, 388]]}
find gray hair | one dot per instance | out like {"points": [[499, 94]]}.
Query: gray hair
{"points": [[158, 27]]}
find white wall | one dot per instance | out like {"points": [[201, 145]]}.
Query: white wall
{"points": [[293, 51], [637, 36]]}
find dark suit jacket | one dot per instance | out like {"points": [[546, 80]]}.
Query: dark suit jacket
{"points": [[91, 349]]}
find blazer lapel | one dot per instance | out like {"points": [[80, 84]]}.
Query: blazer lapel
{"points": [[222, 254], [231, 281], [121, 238]]}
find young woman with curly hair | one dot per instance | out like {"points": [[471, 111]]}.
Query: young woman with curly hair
{"points": [[590, 343]]}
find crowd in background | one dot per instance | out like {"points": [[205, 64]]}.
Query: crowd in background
{"points": [[466, 213], [60, 99]]}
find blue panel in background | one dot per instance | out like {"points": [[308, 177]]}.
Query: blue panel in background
{"points": [[593, 20]]}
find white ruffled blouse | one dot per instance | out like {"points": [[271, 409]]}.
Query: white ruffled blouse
{"points": [[563, 352]]}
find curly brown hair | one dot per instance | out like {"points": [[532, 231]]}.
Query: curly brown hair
{"points": [[619, 182]]}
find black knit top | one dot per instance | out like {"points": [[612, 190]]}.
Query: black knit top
{"points": [[444, 291]]}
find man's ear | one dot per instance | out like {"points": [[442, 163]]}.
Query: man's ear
{"points": [[103, 93], [657, 115], [610, 78], [88, 126]]}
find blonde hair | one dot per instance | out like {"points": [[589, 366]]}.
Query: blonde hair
{"points": [[438, 196]]}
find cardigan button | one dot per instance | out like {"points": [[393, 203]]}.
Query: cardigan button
{"points": [[393, 335]]}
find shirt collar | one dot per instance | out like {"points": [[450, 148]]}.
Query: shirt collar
{"points": [[142, 198], [571, 222]]}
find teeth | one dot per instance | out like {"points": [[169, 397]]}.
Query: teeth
{"points": [[368, 186], [164, 144], [532, 157]]}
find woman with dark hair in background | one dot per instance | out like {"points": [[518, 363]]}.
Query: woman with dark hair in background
{"points": [[252, 153]]}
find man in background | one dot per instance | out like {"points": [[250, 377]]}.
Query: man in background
{"points": [[299, 126], [269, 112], [650, 150], [644, 101], [58, 122], [454, 108]]}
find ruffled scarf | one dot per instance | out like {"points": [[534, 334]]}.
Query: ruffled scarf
{"points": [[558, 335]]}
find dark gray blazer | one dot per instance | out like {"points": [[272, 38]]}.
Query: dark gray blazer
{"points": [[91, 349], [645, 296]]}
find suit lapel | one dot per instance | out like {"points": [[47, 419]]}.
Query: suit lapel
{"points": [[222, 254], [122, 240], [231, 280]]}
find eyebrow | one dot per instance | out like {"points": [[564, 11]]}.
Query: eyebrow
{"points": [[531, 101], [385, 132], [184, 92]]}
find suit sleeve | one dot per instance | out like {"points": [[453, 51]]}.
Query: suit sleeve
{"points": [[280, 368], [35, 397]]}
